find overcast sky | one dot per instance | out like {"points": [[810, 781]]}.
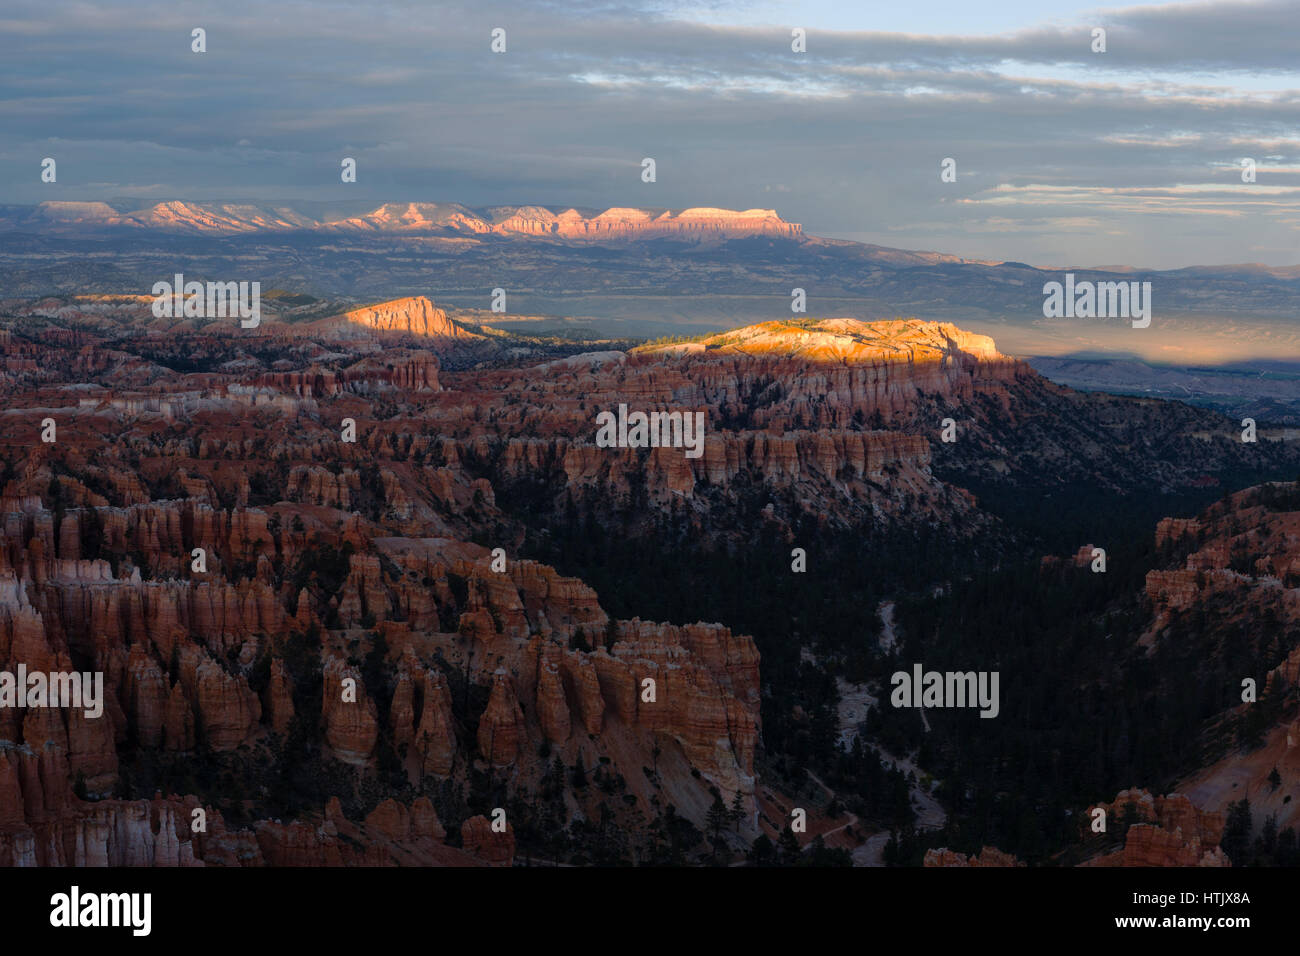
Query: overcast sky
{"points": [[1064, 156]]}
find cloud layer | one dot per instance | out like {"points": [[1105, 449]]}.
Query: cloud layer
{"points": [[1062, 155]]}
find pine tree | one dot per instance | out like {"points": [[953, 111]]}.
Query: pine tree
{"points": [[1268, 835], [1236, 832], [716, 821], [788, 847], [762, 852], [737, 811]]}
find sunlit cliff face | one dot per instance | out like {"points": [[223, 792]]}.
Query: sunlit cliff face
{"points": [[847, 340]]}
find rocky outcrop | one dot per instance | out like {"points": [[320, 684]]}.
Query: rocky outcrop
{"points": [[348, 713], [1163, 831], [403, 825], [873, 345], [495, 847], [147, 694], [416, 315], [363, 596], [1241, 553], [278, 706], [402, 369], [1150, 845], [501, 728], [435, 737], [988, 856], [226, 708], [582, 684], [552, 708]]}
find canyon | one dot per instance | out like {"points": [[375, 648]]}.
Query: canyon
{"points": [[341, 647]]}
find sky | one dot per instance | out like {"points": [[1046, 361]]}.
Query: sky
{"points": [[1063, 156]]}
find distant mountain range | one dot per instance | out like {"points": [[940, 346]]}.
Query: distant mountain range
{"points": [[633, 272], [451, 220], [396, 219]]}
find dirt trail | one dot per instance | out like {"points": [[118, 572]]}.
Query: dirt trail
{"points": [[888, 633], [853, 817], [855, 699]]}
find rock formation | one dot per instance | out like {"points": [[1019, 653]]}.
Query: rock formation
{"points": [[988, 856], [259, 591], [1163, 831]]}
